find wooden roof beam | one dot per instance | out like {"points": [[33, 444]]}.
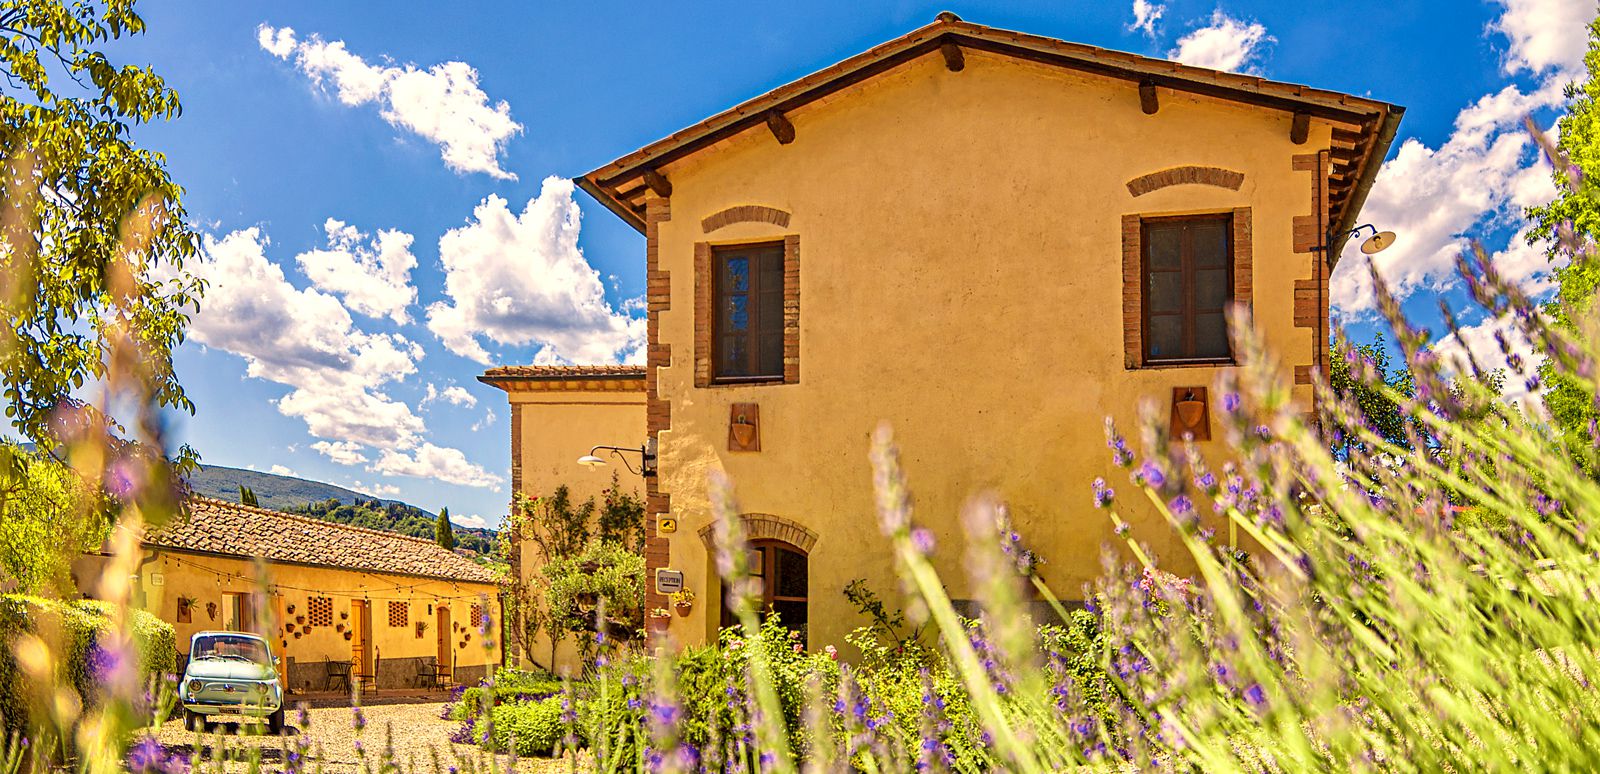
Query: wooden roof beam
{"points": [[781, 128], [1148, 102], [1300, 128], [953, 59], [658, 183]]}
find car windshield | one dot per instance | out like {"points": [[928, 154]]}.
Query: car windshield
{"points": [[229, 647]]}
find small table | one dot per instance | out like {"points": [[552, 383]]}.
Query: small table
{"points": [[339, 672], [427, 671]]}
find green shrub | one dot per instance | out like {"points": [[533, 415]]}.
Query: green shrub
{"points": [[75, 631], [528, 728]]}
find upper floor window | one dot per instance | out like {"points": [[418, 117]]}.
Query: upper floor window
{"points": [[748, 328], [1187, 284]]}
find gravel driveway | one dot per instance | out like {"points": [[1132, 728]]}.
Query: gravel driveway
{"points": [[414, 730]]}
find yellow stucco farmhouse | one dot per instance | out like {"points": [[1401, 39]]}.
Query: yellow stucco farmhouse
{"points": [[993, 241], [344, 606]]}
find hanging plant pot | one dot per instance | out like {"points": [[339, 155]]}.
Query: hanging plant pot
{"points": [[683, 608], [338, 627], [467, 638], [299, 619], [344, 616], [289, 627], [290, 609], [1190, 411], [347, 635], [297, 635], [743, 432], [461, 644]]}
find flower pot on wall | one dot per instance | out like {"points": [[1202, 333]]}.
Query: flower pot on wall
{"points": [[1190, 417]]}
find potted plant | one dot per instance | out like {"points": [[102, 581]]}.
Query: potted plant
{"points": [[422, 629], [744, 431], [659, 618], [682, 601], [1190, 410]]}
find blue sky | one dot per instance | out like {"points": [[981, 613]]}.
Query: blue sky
{"points": [[385, 186]]}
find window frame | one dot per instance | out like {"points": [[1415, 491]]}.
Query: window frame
{"points": [[768, 548], [1189, 313], [720, 254]]}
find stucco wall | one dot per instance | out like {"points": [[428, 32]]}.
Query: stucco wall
{"points": [[553, 429], [166, 576], [960, 278]]}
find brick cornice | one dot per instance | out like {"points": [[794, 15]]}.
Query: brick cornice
{"points": [[1186, 175]]}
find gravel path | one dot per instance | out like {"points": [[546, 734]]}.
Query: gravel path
{"points": [[414, 729]]}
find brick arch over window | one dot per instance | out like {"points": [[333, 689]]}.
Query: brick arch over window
{"points": [[745, 213], [1189, 175], [765, 526]]}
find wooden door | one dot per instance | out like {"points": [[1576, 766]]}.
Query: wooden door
{"points": [[361, 643], [441, 626]]}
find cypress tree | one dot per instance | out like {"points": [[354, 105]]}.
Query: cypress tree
{"points": [[443, 531]]}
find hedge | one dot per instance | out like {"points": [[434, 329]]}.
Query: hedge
{"points": [[532, 727], [74, 629]]}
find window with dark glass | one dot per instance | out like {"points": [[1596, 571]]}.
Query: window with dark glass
{"points": [[747, 332], [1188, 284], [782, 571]]}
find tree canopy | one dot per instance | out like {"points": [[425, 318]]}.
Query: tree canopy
{"points": [[1574, 216], [93, 234]]}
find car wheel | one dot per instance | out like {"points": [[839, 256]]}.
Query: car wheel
{"points": [[275, 722], [192, 720]]}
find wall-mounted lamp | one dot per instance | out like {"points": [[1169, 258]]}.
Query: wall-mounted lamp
{"points": [[1377, 243], [647, 457]]}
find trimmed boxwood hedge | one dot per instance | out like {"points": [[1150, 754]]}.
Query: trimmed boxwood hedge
{"points": [[80, 626]]}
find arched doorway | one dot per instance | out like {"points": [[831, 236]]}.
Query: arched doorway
{"points": [[784, 573]]}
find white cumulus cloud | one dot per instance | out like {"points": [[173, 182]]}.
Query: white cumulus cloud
{"points": [[1145, 16], [1225, 43], [1483, 175], [1482, 343], [1545, 34], [521, 280], [473, 520], [306, 340], [282, 470], [372, 275], [454, 394], [435, 462], [342, 452], [443, 104]]}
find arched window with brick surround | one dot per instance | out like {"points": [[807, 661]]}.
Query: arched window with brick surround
{"points": [[780, 552], [784, 573]]}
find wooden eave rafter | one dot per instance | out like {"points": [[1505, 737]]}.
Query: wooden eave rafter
{"points": [[1362, 127]]}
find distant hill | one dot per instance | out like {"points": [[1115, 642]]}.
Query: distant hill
{"points": [[311, 498], [272, 490]]}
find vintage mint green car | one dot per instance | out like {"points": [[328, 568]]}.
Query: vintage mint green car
{"points": [[230, 673]]}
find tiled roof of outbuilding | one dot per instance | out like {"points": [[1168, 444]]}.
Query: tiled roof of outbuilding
{"points": [[566, 372], [220, 527]]}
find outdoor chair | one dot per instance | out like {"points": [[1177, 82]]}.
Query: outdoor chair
{"points": [[338, 674]]}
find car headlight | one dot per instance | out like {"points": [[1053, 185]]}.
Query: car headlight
{"points": [[194, 686]]}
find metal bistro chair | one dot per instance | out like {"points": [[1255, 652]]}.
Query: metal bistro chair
{"points": [[339, 672], [427, 671], [443, 675]]}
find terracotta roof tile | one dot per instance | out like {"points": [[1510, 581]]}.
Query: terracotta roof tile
{"points": [[221, 527], [565, 372]]}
